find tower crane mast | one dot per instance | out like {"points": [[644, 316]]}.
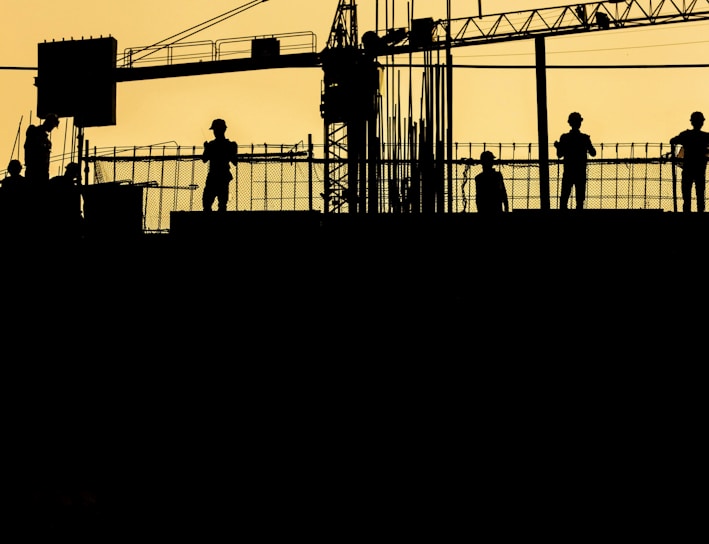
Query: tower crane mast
{"points": [[349, 107], [343, 32]]}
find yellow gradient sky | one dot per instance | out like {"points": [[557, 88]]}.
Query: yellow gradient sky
{"points": [[282, 106]]}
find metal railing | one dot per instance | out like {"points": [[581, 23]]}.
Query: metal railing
{"points": [[291, 178], [208, 50]]}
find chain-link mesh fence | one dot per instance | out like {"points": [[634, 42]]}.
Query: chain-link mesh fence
{"points": [[265, 178], [621, 176], [286, 178]]}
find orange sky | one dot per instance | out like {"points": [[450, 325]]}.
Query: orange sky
{"points": [[282, 106]]}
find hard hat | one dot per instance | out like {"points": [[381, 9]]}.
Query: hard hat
{"points": [[52, 118], [575, 116], [697, 115], [487, 156], [218, 123]]}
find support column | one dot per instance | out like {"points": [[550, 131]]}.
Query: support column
{"points": [[542, 123]]}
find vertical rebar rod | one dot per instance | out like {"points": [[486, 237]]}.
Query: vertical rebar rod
{"points": [[162, 178], [310, 172], [616, 176], [192, 183], [251, 180], [176, 184], [236, 181], [601, 175]]}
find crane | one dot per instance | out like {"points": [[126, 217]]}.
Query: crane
{"points": [[351, 96], [349, 107], [542, 22], [93, 103], [426, 35]]}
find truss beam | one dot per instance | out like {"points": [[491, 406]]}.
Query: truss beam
{"points": [[578, 18]]}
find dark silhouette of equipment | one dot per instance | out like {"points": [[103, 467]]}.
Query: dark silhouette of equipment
{"points": [[76, 78], [349, 107], [350, 100]]}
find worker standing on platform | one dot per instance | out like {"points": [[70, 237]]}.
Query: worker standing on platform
{"points": [[15, 180], [38, 149], [490, 190], [574, 147], [221, 153], [695, 153]]}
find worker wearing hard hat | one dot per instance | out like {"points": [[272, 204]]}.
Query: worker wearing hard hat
{"points": [[574, 147], [490, 190], [221, 153], [694, 155], [38, 149]]}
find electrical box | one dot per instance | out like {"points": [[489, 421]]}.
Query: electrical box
{"points": [[265, 47], [423, 31]]}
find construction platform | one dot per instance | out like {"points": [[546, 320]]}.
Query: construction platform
{"points": [[546, 237], [246, 352], [325, 243]]}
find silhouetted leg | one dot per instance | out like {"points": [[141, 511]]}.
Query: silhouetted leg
{"points": [[580, 194], [207, 198], [222, 198], [565, 193], [686, 193], [701, 185]]}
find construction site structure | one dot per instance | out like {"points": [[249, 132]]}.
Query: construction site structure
{"points": [[351, 98]]}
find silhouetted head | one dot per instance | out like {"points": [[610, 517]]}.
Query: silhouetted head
{"points": [[218, 125], [51, 121], [14, 167], [575, 119], [72, 170], [697, 119], [371, 42], [487, 157]]}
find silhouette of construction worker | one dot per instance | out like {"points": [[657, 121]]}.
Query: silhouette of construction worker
{"points": [[62, 201], [14, 181], [695, 146], [220, 153], [13, 191], [70, 178], [38, 149], [574, 147], [490, 190]]}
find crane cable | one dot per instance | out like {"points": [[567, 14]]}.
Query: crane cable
{"points": [[199, 27]]}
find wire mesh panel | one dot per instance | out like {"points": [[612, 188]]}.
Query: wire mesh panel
{"points": [[621, 176], [263, 179], [286, 178]]}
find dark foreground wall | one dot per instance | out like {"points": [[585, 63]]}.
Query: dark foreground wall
{"points": [[311, 239], [320, 377], [461, 242]]}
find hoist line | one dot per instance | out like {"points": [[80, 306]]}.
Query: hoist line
{"points": [[200, 27]]}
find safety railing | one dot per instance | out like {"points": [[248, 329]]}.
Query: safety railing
{"points": [[292, 178], [216, 50]]}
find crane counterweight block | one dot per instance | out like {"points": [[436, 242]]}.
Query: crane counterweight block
{"points": [[77, 78]]}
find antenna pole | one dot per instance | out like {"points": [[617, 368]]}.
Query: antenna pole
{"points": [[17, 140]]}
